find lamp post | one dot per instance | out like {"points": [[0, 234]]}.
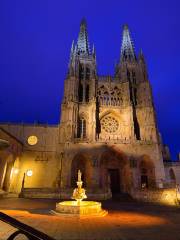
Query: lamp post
{"points": [[28, 173], [3, 145], [60, 173]]}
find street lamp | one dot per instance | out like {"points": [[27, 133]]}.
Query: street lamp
{"points": [[60, 173], [16, 171], [28, 173]]}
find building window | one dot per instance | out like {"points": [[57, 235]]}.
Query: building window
{"points": [[81, 128], [134, 77], [128, 76], [87, 73], [81, 72], [87, 93], [80, 93], [109, 124]]}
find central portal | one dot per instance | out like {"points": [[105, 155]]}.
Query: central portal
{"points": [[114, 180]]}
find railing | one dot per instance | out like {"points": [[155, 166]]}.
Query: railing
{"points": [[105, 78], [108, 78], [30, 232], [171, 163]]}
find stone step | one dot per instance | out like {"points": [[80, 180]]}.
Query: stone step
{"points": [[2, 193], [11, 195]]}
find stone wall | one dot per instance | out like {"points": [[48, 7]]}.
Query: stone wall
{"points": [[52, 193], [169, 196], [172, 171]]}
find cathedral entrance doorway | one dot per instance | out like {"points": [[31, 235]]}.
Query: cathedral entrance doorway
{"points": [[114, 178], [114, 172]]}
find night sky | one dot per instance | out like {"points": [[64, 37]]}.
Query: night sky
{"points": [[35, 45]]}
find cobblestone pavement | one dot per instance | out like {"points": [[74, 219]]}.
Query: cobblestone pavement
{"points": [[125, 221]]}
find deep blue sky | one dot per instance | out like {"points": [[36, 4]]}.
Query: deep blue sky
{"points": [[35, 43]]}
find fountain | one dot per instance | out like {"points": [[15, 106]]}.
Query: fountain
{"points": [[79, 207]]}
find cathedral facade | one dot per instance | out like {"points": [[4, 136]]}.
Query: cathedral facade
{"points": [[108, 130]]}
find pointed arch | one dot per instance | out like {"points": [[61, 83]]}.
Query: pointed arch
{"points": [[82, 125], [109, 112], [114, 170], [83, 163], [147, 172]]}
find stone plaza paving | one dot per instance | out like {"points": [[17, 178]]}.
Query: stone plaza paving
{"points": [[125, 221]]}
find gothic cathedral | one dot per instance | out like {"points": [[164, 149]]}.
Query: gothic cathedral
{"points": [[107, 129]]}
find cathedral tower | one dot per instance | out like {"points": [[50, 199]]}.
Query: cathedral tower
{"points": [[79, 102], [132, 71]]}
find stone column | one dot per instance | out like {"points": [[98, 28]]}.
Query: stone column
{"points": [[6, 183], [159, 168], [3, 165]]}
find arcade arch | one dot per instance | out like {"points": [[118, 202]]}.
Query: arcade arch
{"points": [[114, 171], [147, 172], [82, 162]]}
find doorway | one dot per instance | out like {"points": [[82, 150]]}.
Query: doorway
{"points": [[114, 179], [144, 181]]}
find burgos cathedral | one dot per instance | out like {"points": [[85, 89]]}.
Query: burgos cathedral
{"points": [[108, 129]]}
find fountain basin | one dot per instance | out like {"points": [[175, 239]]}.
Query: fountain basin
{"points": [[85, 208]]}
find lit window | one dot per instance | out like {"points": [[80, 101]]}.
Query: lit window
{"points": [[82, 128]]}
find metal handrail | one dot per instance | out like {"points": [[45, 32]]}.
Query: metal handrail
{"points": [[30, 232]]}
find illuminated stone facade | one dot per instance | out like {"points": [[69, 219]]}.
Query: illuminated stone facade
{"points": [[107, 129]]}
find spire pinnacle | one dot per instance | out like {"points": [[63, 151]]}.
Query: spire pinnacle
{"points": [[127, 47], [141, 56], [83, 43], [72, 47], [93, 49]]}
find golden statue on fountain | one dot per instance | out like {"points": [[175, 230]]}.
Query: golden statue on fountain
{"points": [[79, 208], [79, 193]]}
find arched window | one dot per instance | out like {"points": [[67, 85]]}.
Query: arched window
{"points": [[87, 73], [128, 75], [134, 77], [81, 128], [87, 93], [80, 93], [81, 72]]}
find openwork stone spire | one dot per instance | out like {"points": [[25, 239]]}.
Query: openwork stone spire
{"points": [[127, 48], [83, 43]]}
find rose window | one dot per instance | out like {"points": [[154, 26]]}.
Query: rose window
{"points": [[109, 124]]}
